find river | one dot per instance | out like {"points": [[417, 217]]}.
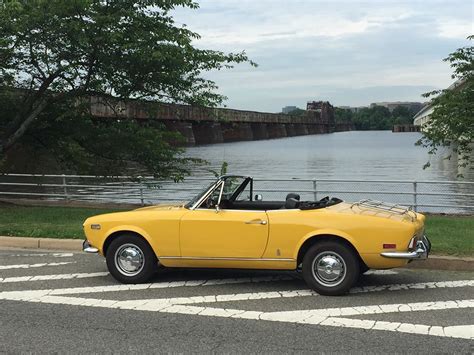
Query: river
{"points": [[345, 155]]}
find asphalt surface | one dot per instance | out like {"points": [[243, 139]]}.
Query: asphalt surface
{"points": [[67, 302]]}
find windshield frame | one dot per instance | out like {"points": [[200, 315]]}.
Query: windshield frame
{"points": [[204, 194]]}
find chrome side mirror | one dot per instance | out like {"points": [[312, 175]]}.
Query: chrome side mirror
{"points": [[258, 197]]}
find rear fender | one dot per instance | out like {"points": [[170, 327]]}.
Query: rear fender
{"points": [[324, 233]]}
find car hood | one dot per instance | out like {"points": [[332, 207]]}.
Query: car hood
{"points": [[161, 207]]}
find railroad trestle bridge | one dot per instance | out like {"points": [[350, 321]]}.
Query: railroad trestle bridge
{"points": [[203, 125]]}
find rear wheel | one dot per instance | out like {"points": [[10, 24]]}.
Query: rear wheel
{"points": [[130, 259], [330, 268]]}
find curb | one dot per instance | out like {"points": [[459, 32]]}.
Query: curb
{"points": [[434, 262], [41, 243], [444, 262]]}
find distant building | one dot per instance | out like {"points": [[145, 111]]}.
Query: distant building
{"points": [[352, 108], [288, 109], [412, 106]]}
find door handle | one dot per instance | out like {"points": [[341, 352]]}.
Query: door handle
{"points": [[256, 221]]}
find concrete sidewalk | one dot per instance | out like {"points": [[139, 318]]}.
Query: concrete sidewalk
{"points": [[440, 262], [41, 243]]}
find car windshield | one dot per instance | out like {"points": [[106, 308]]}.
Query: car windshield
{"points": [[198, 196]]}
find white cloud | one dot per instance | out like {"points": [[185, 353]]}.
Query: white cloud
{"points": [[456, 29], [307, 48]]}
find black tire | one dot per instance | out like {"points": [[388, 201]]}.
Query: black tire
{"points": [[130, 259], [342, 267], [363, 268]]}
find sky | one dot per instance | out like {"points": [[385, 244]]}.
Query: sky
{"points": [[351, 53]]}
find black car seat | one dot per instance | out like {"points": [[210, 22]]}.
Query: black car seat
{"points": [[291, 203], [293, 195]]}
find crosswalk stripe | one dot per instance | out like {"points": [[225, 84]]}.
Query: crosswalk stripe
{"points": [[52, 277], [30, 266]]}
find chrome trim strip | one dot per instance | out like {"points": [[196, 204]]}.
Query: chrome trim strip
{"points": [[226, 259]]}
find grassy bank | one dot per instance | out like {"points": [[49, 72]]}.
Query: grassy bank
{"points": [[449, 235]]}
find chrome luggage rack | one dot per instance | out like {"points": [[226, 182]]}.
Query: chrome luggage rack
{"points": [[385, 207]]}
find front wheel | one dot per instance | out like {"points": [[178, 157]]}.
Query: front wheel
{"points": [[130, 259], [330, 268]]}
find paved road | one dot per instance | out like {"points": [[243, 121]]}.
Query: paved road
{"points": [[67, 302]]}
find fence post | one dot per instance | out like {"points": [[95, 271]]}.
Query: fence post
{"points": [[415, 196], [315, 190], [141, 190], [66, 196]]}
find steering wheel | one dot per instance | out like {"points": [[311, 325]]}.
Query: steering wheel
{"points": [[210, 203]]}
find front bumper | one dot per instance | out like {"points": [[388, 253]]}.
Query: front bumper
{"points": [[88, 248], [422, 249]]}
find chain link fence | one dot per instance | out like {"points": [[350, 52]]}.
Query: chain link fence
{"points": [[455, 197]]}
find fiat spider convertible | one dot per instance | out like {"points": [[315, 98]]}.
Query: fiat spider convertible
{"points": [[226, 226]]}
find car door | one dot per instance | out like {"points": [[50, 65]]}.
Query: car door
{"points": [[207, 233]]}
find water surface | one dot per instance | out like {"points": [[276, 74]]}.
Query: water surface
{"points": [[345, 155]]}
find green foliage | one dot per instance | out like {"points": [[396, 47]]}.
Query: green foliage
{"points": [[375, 117], [452, 121], [223, 171], [55, 52], [297, 112]]}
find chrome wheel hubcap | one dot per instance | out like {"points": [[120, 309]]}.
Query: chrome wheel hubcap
{"points": [[129, 259], [329, 268]]}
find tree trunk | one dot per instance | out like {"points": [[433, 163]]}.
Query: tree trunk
{"points": [[7, 143]]}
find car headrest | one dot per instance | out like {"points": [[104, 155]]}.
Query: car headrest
{"points": [[291, 203], [293, 195]]}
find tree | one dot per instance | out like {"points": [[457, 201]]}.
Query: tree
{"points": [[452, 121], [342, 115], [54, 53], [402, 115]]}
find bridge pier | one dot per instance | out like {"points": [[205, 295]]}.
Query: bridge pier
{"points": [[184, 128], [290, 130], [276, 130], [312, 129], [233, 132], [259, 131], [301, 129], [207, 132]]}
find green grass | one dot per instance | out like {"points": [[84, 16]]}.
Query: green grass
{"points": [[449, 235], [51, 222]]}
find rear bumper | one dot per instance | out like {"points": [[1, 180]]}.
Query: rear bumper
{"points": [[88, 248], [421, 252]]}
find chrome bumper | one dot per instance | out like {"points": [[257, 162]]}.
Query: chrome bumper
{"points": [[421, 251], [88, 248]]}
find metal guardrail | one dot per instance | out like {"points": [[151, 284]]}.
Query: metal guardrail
{"points": [[430, 196]]}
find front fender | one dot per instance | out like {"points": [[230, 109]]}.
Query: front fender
{"points": [[127, 228]]}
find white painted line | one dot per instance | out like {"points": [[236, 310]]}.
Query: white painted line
{"points": [[334, 317], [29, 266], [54, 255], [418, 286], [52, 277], [170, 284]]}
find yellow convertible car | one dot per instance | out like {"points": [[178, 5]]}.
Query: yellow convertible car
{"points": [[226, 226]]}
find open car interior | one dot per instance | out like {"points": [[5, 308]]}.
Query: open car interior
{"points": [[234, 198]]}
